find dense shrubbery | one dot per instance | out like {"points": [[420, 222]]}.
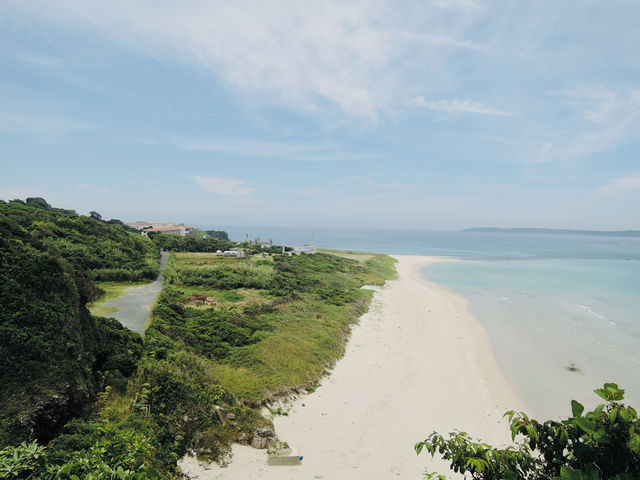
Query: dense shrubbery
{"points": [[210, 332], [190, 243], [54, 356], [603, 444], [219, 234], [95, 449], [226, 276], [104, 251], [329, 277]]}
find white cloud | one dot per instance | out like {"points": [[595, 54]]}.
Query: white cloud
{"points": [[351, 55], [620, 185], [459, 106], [230, 187]]}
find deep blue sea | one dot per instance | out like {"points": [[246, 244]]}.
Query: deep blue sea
{"points": [[546, 301]]}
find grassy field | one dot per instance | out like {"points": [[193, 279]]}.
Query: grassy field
{"points": [[201, 259], [354, 255]]}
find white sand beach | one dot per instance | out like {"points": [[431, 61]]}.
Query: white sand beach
{"points": [[416, 362]]}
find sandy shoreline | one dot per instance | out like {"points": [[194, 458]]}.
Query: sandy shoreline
{"points": [[418, 361]]}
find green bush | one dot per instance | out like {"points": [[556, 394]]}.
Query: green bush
{"points": [[603, 444], [225, 276]]}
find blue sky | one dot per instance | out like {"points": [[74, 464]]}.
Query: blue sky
{"points": [[435, 114]]}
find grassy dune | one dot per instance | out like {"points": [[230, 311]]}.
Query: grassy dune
{"points": [[287, 334]]}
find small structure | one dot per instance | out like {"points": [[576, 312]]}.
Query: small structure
{"points": [[234, 252], [284, 460], [219, 253], [161, 227], [138, 225]]}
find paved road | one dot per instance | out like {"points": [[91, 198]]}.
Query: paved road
{"points": [[135, 305]]}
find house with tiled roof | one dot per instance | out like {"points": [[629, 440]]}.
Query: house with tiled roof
{"points": [[161, 227]]}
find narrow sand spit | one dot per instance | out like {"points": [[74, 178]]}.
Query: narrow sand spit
{"points": [[416, 362]]}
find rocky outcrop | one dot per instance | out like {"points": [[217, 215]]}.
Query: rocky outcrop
{"points": [[262, 437]]}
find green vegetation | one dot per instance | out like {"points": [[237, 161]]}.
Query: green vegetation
{"points": [[219, 234], [190, 243], [267, 326], [103, 251], [603, 444], [210, 241], [55, 357]]}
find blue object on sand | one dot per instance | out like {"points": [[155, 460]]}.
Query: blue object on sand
{"points": [[301, 457]]}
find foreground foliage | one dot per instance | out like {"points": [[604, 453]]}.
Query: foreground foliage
{"points": [[603, 444]]}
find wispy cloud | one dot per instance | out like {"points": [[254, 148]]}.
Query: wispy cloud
{"points": [[289, 151], [45, 61], [91, 186], [45, 125], [602, 119], [243, 146], [230, 187], [350, 55], [458, 5], [22, 114], [620, 185], [459, 106]]}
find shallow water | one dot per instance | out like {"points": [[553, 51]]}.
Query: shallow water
{"points": [[543, 316]]}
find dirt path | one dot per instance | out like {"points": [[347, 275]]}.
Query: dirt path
{"points": [[135, 305]]}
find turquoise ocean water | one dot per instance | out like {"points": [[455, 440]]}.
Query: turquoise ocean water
{"points": [[546, 301]]}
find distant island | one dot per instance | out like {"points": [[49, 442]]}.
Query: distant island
{"points": [[552, 231]]}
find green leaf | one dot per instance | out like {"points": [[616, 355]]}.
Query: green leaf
{"points": [[634, 440], [624, 476], [624, 415], [585, 425], [576, 408], [564, 437], [567, 473], [509, 475], [610, 392], [591, 473], [613, 414]]}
